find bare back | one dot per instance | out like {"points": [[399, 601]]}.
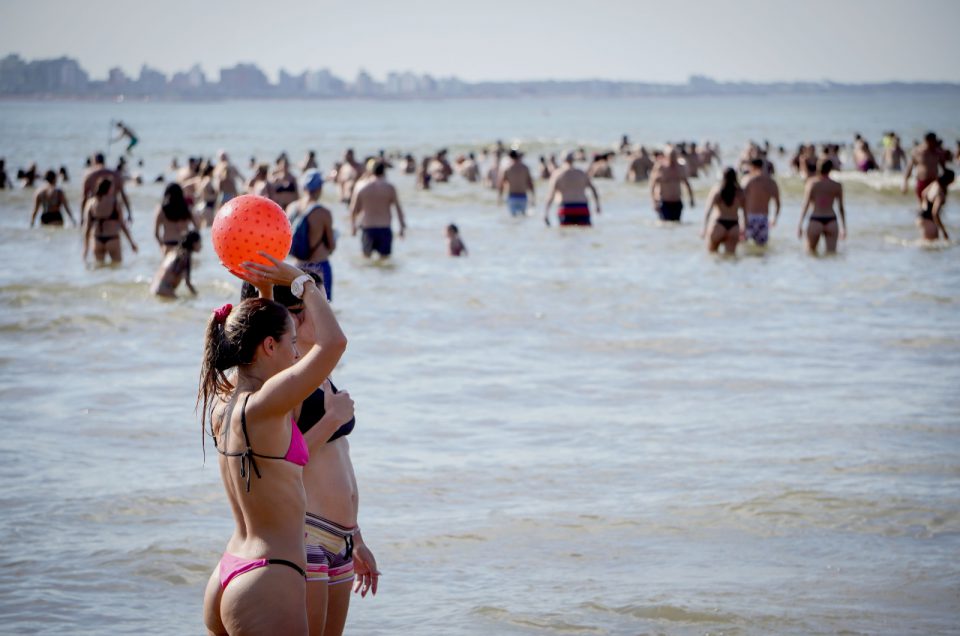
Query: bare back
{"points": [[269, 518], [571, 185], [518, 179], [373, 202], [758, 191], [669, 179]]}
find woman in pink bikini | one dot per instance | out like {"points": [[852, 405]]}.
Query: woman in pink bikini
{"points": [[259, 585]]}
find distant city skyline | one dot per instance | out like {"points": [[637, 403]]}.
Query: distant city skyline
{"points": [[852, 41], [65, 78]]}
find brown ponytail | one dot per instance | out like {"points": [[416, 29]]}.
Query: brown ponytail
{"points": [[232, 337]]}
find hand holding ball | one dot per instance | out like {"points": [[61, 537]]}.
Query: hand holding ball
{"points": [[246, 225]]}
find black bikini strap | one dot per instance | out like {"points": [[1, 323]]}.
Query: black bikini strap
{"points": [[290, 564], [247, 458]]}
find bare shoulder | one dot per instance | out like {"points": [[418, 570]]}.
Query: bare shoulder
{"points": [[324, 214]]}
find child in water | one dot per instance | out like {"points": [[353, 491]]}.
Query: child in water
{"points": [[176, 268], [455, 246]]}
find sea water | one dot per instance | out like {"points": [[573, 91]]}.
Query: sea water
{"points": [[600, 431]]}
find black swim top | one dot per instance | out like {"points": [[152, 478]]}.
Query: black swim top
{"points": [[288, 185], [927, 211], [312, 410]]}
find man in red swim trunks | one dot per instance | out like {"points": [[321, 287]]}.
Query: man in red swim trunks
{"points": [[571, 184], [928, 158]]}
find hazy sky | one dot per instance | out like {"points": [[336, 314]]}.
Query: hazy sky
{"points": [[759, 40]]}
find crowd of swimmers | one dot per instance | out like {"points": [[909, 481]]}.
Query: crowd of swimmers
{"points": [[743, 206], [277, 422]]}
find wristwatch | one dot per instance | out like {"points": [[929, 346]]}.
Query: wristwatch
{"points": [[296, 287]]}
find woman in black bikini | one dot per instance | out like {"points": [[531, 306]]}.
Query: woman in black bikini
{"points": [[284, 183], [103, 222], [174, 219], [933, 198], [259, 585], [821, 192], [50, 198], [729, 223]]}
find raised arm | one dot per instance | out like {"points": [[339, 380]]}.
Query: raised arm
{"points": [[286, 390]]}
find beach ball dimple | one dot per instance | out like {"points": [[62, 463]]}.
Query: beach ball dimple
{"points": [[246, 225]]}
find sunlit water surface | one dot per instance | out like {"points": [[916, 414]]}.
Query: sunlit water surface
{"points": [[589, 432]]}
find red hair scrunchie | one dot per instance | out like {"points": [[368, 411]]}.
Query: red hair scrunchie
{"points": [[221, 313]]}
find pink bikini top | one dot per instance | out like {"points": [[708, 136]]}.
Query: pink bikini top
{"points": [[297, 453]]}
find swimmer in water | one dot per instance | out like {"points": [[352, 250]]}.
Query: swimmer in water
{"points": [[758, 191], [640, 166], [97, 173], [665, 190], [225, 177], [516, 181], [103, 223], [176, 267], [285, 190], [50, 199], [729, 223], [928, 159], [933, 198], [821, 193], [455, 245], [173, 219], [321, 238], [370, 212], [570, 185]]}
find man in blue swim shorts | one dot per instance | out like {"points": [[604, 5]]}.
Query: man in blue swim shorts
{"points": [[517, 181]]}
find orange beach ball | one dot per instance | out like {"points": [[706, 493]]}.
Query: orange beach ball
{"points": [[248, 224]]}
